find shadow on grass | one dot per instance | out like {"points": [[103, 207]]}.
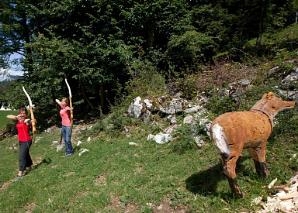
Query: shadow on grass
{"points": [[76, 149], [43, 161], [205, 182]]}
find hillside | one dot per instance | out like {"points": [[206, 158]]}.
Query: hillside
{"points": [[116, 169]]}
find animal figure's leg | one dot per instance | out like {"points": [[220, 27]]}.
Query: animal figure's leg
{"points": [[229, 159], [258, 154], [229, 167]]}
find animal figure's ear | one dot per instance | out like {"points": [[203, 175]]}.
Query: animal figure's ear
{"points": [[270, 95]]}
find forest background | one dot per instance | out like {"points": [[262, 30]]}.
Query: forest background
{"points": [[109, 50]]}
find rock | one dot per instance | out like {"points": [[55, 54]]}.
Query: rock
{"points": [[160, 138], [188, 119], [135, 108], [285, 200], [82, 151]]}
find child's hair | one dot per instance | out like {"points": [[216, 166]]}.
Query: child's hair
{"points": [[66, 100], [23, 109]]}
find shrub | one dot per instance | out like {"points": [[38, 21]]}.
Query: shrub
{"points": [[184, 140], [146, 80], [221, 104], [188, 86], [190, 49]]}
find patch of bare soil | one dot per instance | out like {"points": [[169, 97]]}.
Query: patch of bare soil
{"points": [[5, 185], [222, 74], [100, 180], [117, 206], [77, 196], [29, 207], [165, 207]]}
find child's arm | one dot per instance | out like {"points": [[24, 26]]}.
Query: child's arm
{"points": [[12, 117], [58, 102], [67, 108], [28, 121]]}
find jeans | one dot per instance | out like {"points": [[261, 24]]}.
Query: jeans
{"points": [[66, 135], [24, 155]]}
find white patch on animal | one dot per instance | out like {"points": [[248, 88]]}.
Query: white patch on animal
{"points": [[220, 139]]}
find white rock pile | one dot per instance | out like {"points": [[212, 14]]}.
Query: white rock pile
{"points": [[284, 200]]}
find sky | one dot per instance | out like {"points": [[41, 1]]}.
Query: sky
{"points": [[15, 69]]}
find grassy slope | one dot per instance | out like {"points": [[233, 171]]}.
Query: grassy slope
{"points": [[3, 119], [134, 175]]}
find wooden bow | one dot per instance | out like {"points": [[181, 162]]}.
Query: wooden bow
{"points": [[31, 111], [70, 102]]}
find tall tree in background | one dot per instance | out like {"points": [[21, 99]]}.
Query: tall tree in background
{"points": [[17, 29], [80, 40], [100, 45], [11, 31]]}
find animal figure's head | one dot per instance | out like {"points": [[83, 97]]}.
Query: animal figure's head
{"points": [[271, 104]]}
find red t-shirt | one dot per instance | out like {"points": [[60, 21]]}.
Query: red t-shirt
{"points": [[23, 132]]}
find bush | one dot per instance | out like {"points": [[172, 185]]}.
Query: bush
{"points": [[146, 80], [219, 105], [188, 86], [188, 51], [184, 140], [287, 123]]}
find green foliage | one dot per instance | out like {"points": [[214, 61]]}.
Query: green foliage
{"points": [[221, 104], [113, 51], [183, 140], [279, 44], [188, 86], [13, 29], [12, 94], [150, 24], [184, 137], [101, 45], [146, 80], [190, 49], [117, 122], [5, 121], [295, 4], [287, 124], [212, 20]]}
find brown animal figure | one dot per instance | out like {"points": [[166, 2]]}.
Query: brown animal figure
{"points": [[234, 131]]}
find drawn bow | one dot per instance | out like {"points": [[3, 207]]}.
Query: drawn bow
{"points": [[70, 102], [31, 111]]}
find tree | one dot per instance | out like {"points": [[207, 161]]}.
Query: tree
{"points": [[101, 45]]}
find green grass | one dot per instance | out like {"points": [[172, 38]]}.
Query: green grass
{"points": [[141, 176], [287, 36], [3, 119]]}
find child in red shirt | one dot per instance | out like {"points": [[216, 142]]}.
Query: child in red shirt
{"points": [[23, 126]]}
